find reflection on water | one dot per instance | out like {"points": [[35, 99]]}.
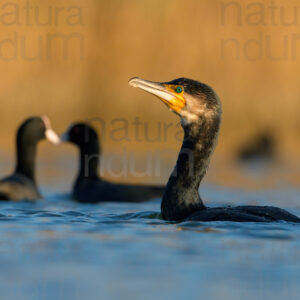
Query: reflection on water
{"points": [[58, 249]]}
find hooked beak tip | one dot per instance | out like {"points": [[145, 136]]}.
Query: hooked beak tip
{"points": [[134, 82]]}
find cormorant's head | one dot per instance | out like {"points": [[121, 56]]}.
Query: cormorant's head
{"points": [[190, 99], [80, 134], [35, 129]]}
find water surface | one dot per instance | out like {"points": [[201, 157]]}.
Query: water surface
{"points": [[59, 249]]}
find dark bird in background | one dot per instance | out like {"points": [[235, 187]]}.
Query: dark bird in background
{"points": [[261, 147], [89, 187], [199, 109], [21, 185]]}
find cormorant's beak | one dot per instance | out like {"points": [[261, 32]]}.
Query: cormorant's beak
{"points": [[164, 91], [50, 134]]}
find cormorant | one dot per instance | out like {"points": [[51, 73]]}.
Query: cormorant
{"points": [[89, 187], [21, 185], [199, 109]]}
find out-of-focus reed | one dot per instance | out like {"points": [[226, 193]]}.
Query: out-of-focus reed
{"points": [[238, 47]]}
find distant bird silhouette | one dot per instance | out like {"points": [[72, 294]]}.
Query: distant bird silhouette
{"points": [[199, 108], [21, 185], [89, 187], [261, 147]]}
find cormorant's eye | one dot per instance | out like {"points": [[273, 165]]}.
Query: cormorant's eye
{"points": [[178, 90]]}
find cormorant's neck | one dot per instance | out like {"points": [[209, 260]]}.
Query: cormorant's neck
{"points": [[89, 160], [26, 153], [181, 197]]}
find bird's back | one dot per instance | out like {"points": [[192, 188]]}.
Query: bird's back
{"points": [[96, 190], [17, 187], [244, 214]]}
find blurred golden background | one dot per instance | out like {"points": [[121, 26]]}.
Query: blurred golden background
{"points": [[71, 60]]}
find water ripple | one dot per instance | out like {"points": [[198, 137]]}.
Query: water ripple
{"points": [[57, 247]]}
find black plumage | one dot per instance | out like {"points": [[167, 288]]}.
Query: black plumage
{"points": [[21, 185], [200, 111], [89, 187]]}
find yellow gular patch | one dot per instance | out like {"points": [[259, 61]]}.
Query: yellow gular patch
{"points": [[178, 102]]}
